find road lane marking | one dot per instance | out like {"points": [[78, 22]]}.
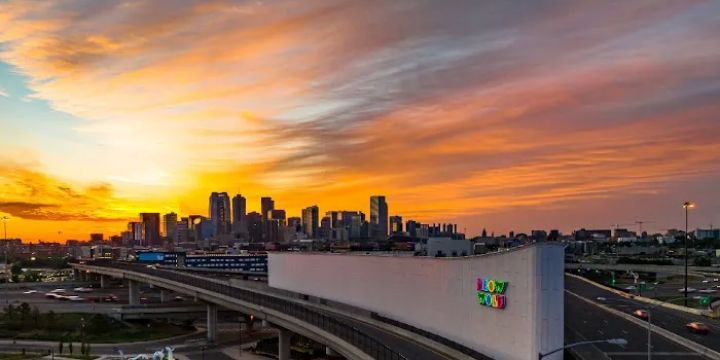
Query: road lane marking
{"points": [[658, 353]]}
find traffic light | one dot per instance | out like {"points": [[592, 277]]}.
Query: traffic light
{"points": [[704, 300]]}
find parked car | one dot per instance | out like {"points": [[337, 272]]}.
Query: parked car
{"points": [[698, 328]]}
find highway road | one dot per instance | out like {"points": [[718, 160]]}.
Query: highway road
{"points": [[594, 323]]}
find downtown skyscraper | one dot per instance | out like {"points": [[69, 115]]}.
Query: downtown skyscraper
{"points": [[220, 213], [378, 217]]}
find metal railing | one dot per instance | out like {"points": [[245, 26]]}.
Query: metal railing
{"points": [[437, 338], [352, 335]]}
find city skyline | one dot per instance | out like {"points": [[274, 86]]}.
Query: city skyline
{"points": [[486, 116]]}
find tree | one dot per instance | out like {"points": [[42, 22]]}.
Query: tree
{"points": [[484, 233], [60, 347], [24, 310], [87, 349], [36, 316], [70, 347], [50, 320]]}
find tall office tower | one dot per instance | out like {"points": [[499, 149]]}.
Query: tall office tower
{"points": [[182, 231], [294, 223], [325, 228], [254, 226], [310, 221], [150, 228], [239, 209], [266, 204], [278, 215], [378, 217], [136, 233], [220, 213], [396, 224], [169, 225]]}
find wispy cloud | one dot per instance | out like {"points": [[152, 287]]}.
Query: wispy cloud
{"points": [[471, 109], [4, 92]]}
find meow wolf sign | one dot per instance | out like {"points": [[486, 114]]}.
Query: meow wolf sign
{"points": [[491, 292]]}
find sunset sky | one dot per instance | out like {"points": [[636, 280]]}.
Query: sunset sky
{"points": [[505, 115]]}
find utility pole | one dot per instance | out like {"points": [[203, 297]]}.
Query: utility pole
{"points": [[7, 246], [687, 205]]}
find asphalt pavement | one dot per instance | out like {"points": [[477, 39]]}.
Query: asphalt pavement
{"points": [[593, 323]]}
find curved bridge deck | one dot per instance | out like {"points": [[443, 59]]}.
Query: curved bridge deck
{"points": [[375, 342]]}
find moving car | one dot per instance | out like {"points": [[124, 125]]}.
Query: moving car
{"points": [[178, 298], [82, 289], [689, 289], [30, 292], [642, 314], [58, 291], [698, 328], [52, 295], [74, 298]]}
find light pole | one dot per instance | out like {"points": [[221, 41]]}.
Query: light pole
{"points": [[7, 245], [581, 343], [687, 205]]}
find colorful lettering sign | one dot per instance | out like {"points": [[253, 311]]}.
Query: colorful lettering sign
{"points": [[490, 292]]}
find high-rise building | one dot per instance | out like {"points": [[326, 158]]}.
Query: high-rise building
{"points": [[378, 217], [96, 237], [137, 234], [266, 204], [396, 224], [255, 227], [239, 209], [169, 225], [220, 213], [151, 229], [278, 215], [310, 221]]}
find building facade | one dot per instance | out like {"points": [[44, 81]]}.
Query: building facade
{"points": [[220, 213], [378, 217]]}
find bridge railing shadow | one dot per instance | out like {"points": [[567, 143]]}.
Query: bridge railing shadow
{"points": [[352, 335]]}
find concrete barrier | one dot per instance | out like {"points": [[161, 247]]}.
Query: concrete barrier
{"points": [[681, 340]]}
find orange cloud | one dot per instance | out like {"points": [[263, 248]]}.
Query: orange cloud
{"points": [[450, 112]]}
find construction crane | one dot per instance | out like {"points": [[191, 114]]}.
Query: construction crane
{"points": [[640, 224], [616, 226]]}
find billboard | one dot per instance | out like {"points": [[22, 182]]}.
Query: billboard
{"points": [[151, 256]]}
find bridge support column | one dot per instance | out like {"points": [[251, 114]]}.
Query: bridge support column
{"points": [[133, 292], [104, 281], [284, 344], [211, 322], [164, 296], [330, 352]]}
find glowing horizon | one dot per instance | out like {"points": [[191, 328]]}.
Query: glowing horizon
{"points": [[510, 116]]}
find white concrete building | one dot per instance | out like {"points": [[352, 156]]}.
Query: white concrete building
{"points": [[506, 305], [446, 246]]}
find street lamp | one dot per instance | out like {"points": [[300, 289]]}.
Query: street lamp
{"points": [[7, 244], [686, 205], [649, 321], [620, 342]]}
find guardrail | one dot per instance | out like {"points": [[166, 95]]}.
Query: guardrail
{"points": [[352, 335], [437, 338]]}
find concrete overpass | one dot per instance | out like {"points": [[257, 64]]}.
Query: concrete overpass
{"points": [[288, 315], [505, 305]]}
